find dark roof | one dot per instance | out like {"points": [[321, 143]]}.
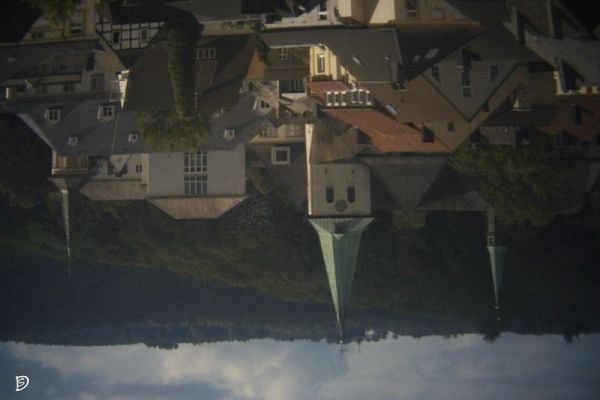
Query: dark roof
{"points": [[218, 81], [223, 10], [78, 117], [362, 51], [377, 55], [406, 178], [37, 60], [129, 57], [452, 192], [486, 12], [142, 11]]}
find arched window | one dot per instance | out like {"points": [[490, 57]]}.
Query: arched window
{"points": [[351, 194], [329, 194]]}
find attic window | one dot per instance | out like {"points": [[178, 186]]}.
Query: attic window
{"points": [[106, 111], [263, 105], [450, 126], [206, 53], [52, 115], [432, 53], [280, 155]]}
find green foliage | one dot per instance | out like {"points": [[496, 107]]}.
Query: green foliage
{"points": [[261, 180], [170, 130], [181, 43], [57, 11], [524, 184]]}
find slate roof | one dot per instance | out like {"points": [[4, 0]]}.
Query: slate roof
{"points": [[223, 10], [362, 51], [38, 60], [78, 117], [387, 134], [406, 178], [377, 55], [452, 192], [218, 81], [146, 11]]}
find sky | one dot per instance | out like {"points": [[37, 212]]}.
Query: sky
{"points": [[463, 367]]}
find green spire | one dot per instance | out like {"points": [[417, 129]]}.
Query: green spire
{"points": [[340, 241], [496, 254], [66, 185]]}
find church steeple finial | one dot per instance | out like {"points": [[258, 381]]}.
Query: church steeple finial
{"points": [[67, 186]]}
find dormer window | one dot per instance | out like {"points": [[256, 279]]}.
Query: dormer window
{"points": [[106, 111], [206, 53], [52, 115]]}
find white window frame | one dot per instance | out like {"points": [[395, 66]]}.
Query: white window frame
{"points": [[195, 185], [321, 64], [195, 173], [264, 105], [106, 111], [280, 149], [283, 54], [196, 162], [52, 115]]}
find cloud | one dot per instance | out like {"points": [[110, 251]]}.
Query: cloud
{"points": [[514, 366]]}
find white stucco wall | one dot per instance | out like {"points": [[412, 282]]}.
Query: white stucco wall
{"points": [[339, 177], [165, 174], [226, 172]]}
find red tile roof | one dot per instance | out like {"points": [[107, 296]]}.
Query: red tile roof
{"points": [[387, 134]]}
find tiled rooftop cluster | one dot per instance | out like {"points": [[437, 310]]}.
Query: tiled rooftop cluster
{"points": [[348, 105]]}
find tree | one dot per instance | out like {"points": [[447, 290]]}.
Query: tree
{"points": [[184, 127], [170, 130], [524, 184], [57, 11], [24, 163]]}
